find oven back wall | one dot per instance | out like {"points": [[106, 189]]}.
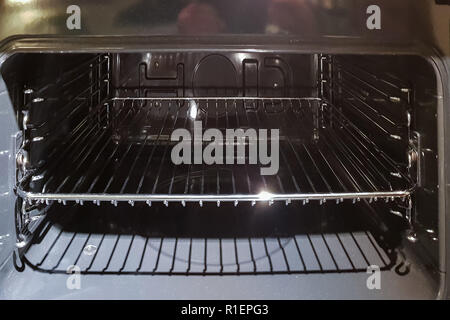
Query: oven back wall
{"points": [[200, 74]]}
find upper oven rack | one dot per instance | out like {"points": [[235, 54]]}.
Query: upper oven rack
{"points": [[321, 163]]}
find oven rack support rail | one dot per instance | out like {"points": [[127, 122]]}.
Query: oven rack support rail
{"points": [[183, 199]]}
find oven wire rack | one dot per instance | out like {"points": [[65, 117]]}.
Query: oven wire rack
{"points": [[133, 254], [333, 164]]}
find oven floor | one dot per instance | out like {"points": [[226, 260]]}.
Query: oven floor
{"points": [[37, 285]]}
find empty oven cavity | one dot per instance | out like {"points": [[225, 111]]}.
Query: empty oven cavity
{"points": [[357, 142]]}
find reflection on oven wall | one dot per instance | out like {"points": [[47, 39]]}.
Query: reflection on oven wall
{"points": [[304, 18]]}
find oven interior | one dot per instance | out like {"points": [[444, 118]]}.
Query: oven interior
{"points": [[355, 186]]}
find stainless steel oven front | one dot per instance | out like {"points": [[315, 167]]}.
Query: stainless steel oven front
{"points": [[206, 149]]}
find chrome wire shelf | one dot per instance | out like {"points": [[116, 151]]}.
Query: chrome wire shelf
{"points": [[138, 253], [125, 157], [170, 256]]}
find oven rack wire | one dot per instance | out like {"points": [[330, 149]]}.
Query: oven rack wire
{"points": [[320, 163], [284, 256], [56, 248]]}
